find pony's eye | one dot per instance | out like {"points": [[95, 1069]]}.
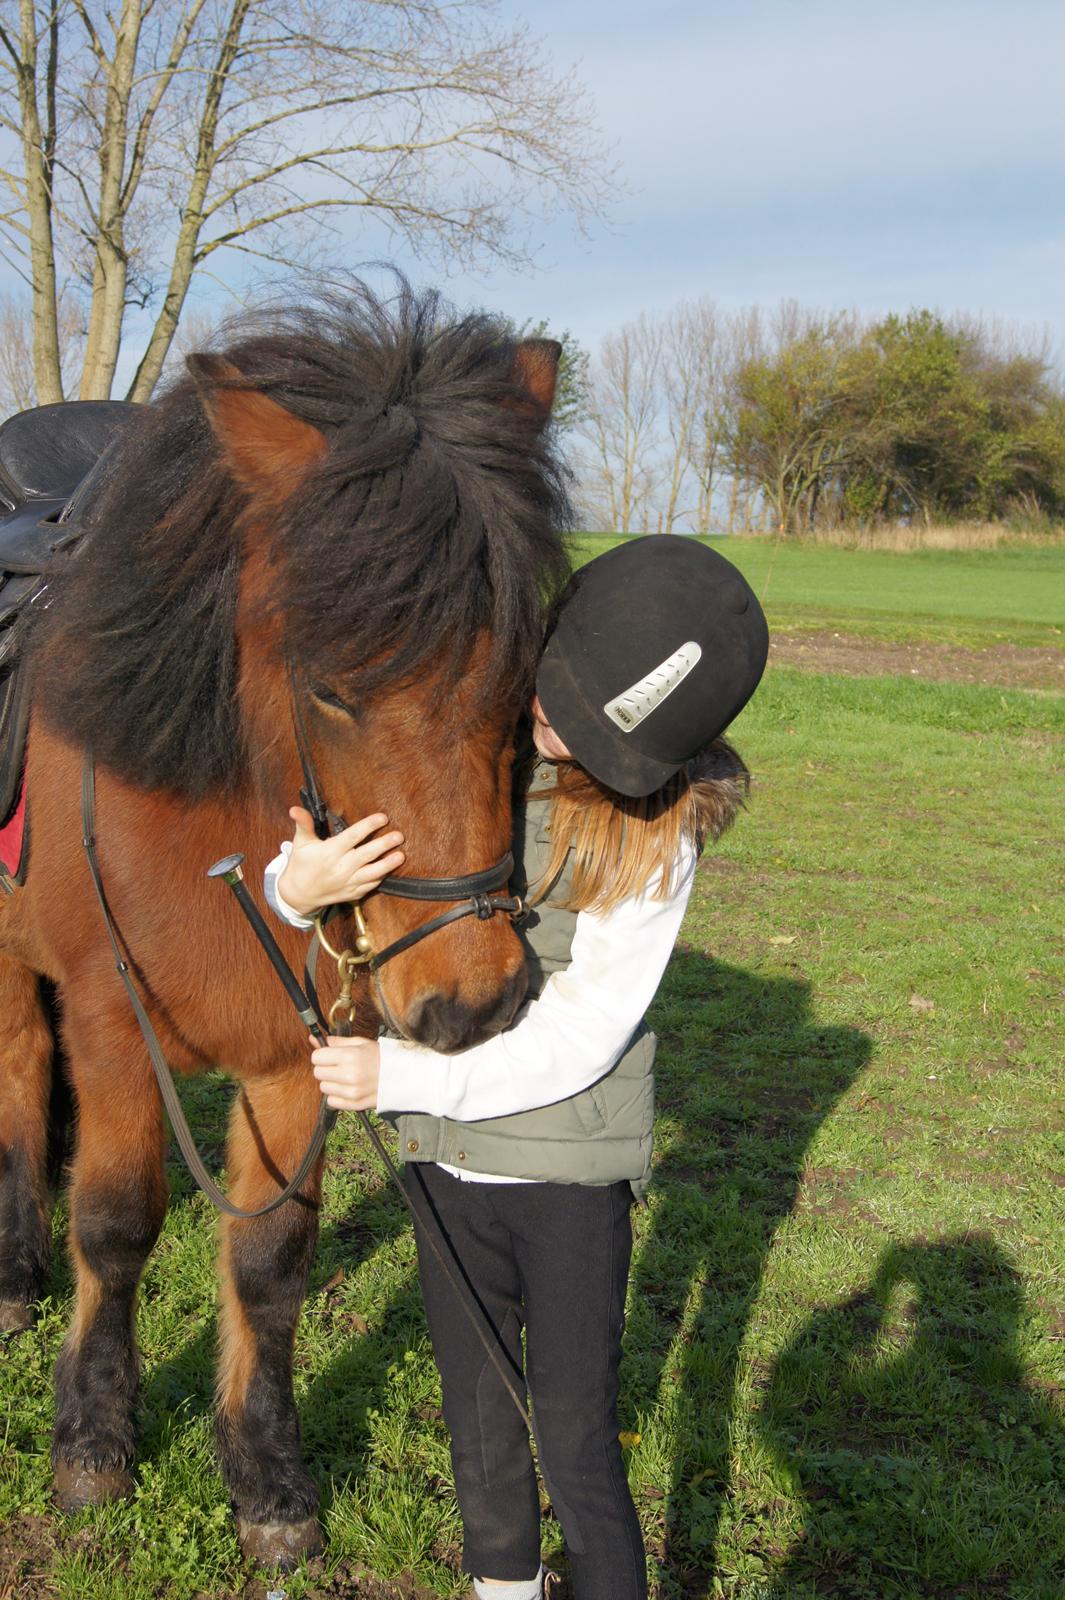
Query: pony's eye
{"points": [[328, 698]]}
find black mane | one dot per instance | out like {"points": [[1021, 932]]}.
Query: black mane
{"points": [[438, 511]]}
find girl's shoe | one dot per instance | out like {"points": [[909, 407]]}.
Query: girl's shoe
{"points": [[553, 1585]]}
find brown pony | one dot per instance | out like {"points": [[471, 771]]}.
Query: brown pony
{"points": [[359, 500]]}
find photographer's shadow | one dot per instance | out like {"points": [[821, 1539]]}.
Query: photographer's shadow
{"points": [[744, 1078], [905, 1420]]}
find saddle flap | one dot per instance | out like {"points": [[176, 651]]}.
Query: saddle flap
{"points": [[14, 592], [28, 535], [47, 451]]}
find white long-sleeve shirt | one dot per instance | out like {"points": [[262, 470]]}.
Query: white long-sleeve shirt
{"points": [[563, 1041]]}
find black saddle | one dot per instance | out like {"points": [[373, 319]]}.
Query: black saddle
{"points": [[46, 456]]}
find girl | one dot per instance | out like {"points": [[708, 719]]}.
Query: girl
{"points": [[532, 1145]]}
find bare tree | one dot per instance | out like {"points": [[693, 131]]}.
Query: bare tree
{"points": [[681, 399], [620, 429], [695, 370], [18, 391], [139, 141]]}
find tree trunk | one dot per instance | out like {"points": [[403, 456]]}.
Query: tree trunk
{"points": [[105, 322], [47, 372], [111, 267], [166, 323], [193, 214]]}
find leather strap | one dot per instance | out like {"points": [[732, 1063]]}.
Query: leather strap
{"points": [[427, 1226], [473, 884], [468, 908], [178, 1122], [310, 794], [429, 1229]]}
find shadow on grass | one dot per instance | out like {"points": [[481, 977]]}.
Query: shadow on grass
{"points": [[929, 1465], [744, 1078]]}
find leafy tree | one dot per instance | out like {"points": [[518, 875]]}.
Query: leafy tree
{"points": [[784, 429], [943, 425]]}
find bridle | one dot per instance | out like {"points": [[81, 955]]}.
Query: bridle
{"points": [[472, 891]]}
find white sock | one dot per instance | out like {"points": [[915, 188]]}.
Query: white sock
{"points": [[523, 1589]]}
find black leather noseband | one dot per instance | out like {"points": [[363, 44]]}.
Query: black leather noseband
{"points": [[473, 891]]}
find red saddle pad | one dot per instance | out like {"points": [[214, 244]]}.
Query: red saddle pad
{"points": [[13, 833]]}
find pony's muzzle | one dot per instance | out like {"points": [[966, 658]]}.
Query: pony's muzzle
{"points": [[446, 1023]]}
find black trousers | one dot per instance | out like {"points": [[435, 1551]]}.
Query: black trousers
{"points": [[555, 1258]]}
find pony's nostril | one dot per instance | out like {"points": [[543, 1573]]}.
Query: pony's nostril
{"points": [[441, 1024], [448, 1024]]}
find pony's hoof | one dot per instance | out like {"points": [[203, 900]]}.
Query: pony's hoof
{"points": [[15, 1316], [280, 1545], [78, 1486]]}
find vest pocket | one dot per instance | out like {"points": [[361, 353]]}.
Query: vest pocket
{"points": [[590, 1109]]}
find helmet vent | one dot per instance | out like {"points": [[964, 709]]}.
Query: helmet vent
{"points": [[636, 703]]}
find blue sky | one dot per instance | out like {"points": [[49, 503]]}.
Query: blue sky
{"points": [[847, 153], [864, 155]]}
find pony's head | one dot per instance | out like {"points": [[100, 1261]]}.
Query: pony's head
{"points": [[357, 503]]}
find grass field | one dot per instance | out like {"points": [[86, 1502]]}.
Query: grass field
{"points": [[978, 597], [846, 1342]]}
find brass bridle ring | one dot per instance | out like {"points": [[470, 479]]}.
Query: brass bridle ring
{"points": [[348, 963]]}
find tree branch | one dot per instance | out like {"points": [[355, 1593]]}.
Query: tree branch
{"points": [[5, 40], [95, 42], [302, 110], [179, 45]]}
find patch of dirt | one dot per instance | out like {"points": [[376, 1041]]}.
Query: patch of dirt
{"points": [[1008, 666], [825, 1191], [29, 1544], [350, 1580], [27, 1548]]}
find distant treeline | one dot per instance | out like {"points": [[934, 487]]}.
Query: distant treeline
{"points": [[807, 420]]}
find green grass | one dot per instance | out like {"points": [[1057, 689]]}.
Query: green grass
{"points": [[983, 597], [845, 1354]]}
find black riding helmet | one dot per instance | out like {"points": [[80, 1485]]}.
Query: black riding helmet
{"points": [[657, 645]]}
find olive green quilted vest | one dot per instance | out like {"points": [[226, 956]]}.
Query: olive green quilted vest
{"points": [[600, 1136]]}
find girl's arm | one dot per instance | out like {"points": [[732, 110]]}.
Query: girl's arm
{"points": [[560, 1043]]}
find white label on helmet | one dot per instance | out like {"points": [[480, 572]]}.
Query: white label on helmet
{"points": [[630, 708]]}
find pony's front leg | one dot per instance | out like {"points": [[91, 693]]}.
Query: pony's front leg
{"points": [[265, 1263], [117, 1202]]}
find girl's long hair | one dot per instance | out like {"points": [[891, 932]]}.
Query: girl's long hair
{"points": [[623, 846]]}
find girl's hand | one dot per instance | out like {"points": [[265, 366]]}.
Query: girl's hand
{"points": [[348, 1073], [329, 872]]}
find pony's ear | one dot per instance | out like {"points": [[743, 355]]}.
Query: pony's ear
{"points": [[535, 372], [267, 449]]}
